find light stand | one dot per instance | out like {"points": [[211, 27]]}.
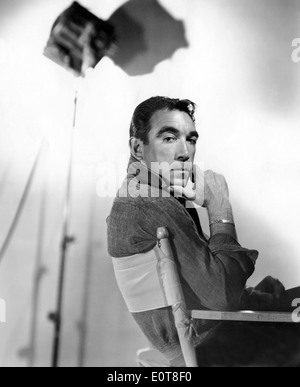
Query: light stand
{"points": [[78, 41], [67, 240]]}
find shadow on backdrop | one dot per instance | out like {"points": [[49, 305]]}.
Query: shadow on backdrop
{"points": [[146, 34]]}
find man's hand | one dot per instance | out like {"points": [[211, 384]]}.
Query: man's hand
{"points": [[263, 296], [216, 193], [194, 190], [207, 189], [210, 190], [269, 289]]}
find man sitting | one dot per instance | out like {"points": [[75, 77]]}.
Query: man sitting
{"points": [[213, 272]]}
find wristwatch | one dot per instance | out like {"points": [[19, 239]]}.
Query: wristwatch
{"points": [[221, 221]]}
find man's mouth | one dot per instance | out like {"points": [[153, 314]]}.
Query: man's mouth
{"points": [[184, 167]]}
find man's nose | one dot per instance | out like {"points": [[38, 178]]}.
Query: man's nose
{"points": [[183, 152]]}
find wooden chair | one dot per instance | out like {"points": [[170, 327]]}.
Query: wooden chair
{"points": [[183, 317], [166, 283]]}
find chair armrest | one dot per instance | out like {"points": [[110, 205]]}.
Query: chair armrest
{"points": [[243, 315]]}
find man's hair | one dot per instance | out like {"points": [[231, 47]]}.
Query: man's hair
{"points": [[140, 124]]}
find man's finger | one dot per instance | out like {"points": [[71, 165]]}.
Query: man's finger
{"points": [[198, 175], [187, 192]]}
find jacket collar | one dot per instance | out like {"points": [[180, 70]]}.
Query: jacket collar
{"points": [[139, 171]]}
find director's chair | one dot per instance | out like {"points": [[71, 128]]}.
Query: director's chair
{"points": [[156, 284]]}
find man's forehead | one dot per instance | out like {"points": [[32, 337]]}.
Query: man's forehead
{"points": [[173, 118]]}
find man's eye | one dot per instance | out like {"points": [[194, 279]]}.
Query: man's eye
{"points": [[169, 139], [193, 141]]}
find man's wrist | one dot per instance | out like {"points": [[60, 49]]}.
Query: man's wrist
{"points": [[221, 220], [228, 229], [221, 212]]}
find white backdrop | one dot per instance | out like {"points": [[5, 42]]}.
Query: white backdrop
{"points": [[239, 70]]}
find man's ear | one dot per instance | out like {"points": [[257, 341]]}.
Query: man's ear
{"points": [[137, 148]]}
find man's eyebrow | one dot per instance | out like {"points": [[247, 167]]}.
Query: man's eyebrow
{"points": [[176, 132], [193, 134], [167, 129]]}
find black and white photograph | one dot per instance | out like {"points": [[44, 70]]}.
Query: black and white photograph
{"points": [[149, 186]]}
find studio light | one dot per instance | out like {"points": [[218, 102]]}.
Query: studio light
{"points": [[78, 42]]}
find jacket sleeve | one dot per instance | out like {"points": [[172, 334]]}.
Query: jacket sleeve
{"points": [[213, 273]]}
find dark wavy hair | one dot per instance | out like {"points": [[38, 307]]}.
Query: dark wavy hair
{"points": [[140, 124]]}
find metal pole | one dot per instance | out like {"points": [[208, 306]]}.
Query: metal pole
{"points": [[67, 240], [83, 325], [40, 271]]}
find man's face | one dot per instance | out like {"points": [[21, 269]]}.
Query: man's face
{"points": [[172, 146]]}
